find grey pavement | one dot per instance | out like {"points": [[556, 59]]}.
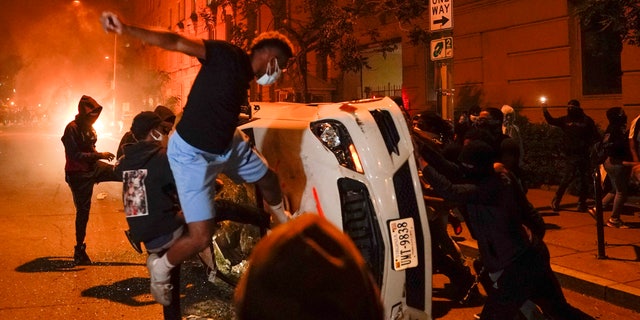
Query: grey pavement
{"points": [[572, 239]]}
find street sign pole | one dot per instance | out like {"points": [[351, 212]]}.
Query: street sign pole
{"points": [[597, 187], [441, 18]]}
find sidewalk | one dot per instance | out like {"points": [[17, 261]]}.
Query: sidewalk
{"points": [[572, 241]]}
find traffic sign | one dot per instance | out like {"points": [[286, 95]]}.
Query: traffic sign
{"points": [[441, 12], [442, 48]]}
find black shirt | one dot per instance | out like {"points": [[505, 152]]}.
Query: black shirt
{"points": [[220, 88]]}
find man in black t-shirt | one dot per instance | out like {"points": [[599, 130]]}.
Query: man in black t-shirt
{"points": [[206, 141]]}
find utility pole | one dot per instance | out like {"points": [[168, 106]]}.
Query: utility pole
{"points": [[113, 84], [441, 17]]}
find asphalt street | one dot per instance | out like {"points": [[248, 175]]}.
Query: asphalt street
{"points": [[40, 281]]}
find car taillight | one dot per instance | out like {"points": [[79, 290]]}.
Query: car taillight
{"points": [[335, 137]]}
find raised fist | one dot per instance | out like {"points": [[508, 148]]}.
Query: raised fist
{"points": [[110, 22]]}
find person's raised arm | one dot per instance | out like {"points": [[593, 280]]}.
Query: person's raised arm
{"points": [[633, 146], [633, 141], [161, 38]]}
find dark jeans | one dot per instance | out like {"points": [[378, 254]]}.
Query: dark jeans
{"points": [[578, 167], [446, 255], [81, 185], [619, 175]]}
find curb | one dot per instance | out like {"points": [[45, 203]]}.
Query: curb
{"points": [[606, 290]]}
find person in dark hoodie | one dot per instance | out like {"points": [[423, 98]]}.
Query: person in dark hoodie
{"points": [[168, 120], [488, 126], [150, 198], [580, 133], [509, 235], [83, 168]]}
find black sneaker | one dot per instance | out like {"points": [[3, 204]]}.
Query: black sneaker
{"points": [[80, 256]]}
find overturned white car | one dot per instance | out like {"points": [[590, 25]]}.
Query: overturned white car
{"points": [[353, 163]]}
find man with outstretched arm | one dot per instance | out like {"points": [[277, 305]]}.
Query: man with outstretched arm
{"points": [[206, 141]]}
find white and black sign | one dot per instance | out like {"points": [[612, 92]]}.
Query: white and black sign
{"points": [[441, 12]]}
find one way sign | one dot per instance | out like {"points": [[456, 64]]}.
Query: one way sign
{"points": [[441, 14]]}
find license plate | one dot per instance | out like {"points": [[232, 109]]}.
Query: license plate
{"points": [[403, 244]]}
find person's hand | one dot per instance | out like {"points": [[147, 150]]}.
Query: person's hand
{"points": [[107, 156], [528, 232], [111, 23]]}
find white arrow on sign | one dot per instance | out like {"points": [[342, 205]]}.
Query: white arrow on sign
{"points": [[441, 14]]}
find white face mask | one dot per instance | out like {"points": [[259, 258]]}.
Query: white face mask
{"points": [[156, 135], [270, 76]]}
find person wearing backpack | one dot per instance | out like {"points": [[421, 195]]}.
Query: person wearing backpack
{"points": [[618, 151]]}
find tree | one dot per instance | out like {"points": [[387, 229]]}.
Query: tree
{"points": [[326, 28], [323, 27], [412, 16], [621, 17]]}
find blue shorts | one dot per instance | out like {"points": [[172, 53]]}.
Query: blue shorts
{"points": [[195, 172]]}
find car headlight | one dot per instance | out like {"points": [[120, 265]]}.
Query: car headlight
{"points": [[335, 137]]}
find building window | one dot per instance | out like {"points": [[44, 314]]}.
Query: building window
{"points": [[601, 66]]}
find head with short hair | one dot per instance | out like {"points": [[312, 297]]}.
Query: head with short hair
{"points": [[274, 40], [143, 123]]}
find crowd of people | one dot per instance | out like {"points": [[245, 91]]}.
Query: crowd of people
{"points": [[480, 172], [473, 169], [169, 176]]}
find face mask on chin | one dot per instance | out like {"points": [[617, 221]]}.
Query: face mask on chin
{"points": [[157, 135], [271, 76]]}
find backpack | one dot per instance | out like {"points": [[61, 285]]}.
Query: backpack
{"points": [[599, 152]]}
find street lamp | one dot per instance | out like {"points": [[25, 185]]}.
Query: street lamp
{"points": [[113, 84]]}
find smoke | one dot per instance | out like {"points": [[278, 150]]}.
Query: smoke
{"points": [[62, 52]]}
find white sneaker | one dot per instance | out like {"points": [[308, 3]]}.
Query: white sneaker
{"points": [[160, 289], [279, 215]]}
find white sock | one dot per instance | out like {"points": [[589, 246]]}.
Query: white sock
{"points": [[162, 268], [279, 214]]}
